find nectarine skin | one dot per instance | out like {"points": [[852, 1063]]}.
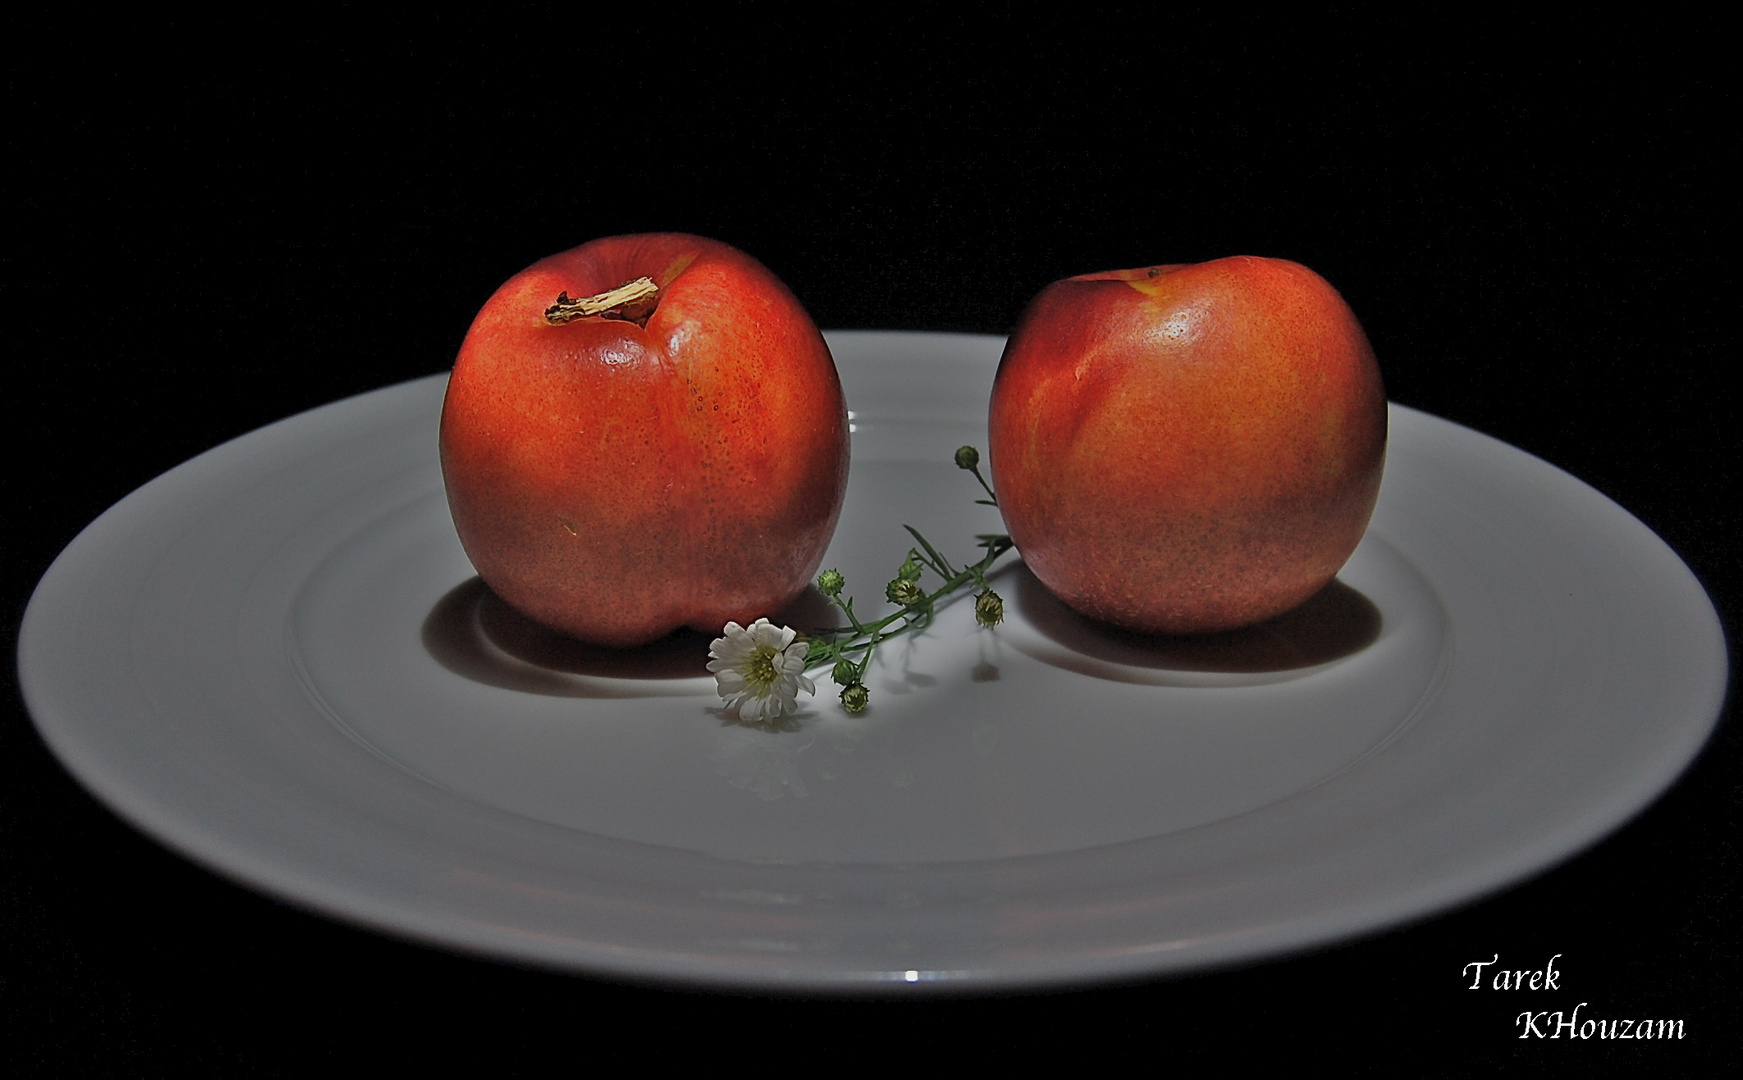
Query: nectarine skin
{"points": [[1185, 449], [617, 482]]}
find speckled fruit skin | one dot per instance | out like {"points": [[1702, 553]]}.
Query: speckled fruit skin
{"points": [[617, 483], [1189, 448]]}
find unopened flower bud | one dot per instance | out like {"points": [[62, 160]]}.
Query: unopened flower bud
{"points": [[855, 697], [830, 582], [910, 570], [989, 609], [967, 457], [846, 672], [904, 592]]}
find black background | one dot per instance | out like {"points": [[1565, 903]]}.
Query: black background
{"points": [[217, 232]]}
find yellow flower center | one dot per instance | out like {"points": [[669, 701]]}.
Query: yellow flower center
{"points": [[759, 670]]}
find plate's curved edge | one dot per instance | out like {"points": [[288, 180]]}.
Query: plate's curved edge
{"points": [[58, 578], [1713, 628], [1707, 699], [1417, 416]]}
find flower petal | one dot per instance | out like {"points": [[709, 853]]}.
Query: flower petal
{"points": [[762, 643]]}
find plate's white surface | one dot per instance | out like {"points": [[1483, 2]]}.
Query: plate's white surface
{"points": [[275, 658]]}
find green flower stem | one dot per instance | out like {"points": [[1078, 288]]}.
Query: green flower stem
{"points": [[991, 499], [917, 615], [939, 563], [848, 607], [916, 609]]}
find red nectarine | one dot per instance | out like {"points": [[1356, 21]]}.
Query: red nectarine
{"points": [[1188, 448], [644, 455]]}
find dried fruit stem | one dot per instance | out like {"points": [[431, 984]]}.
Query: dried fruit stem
{"points": [[632, 301]]}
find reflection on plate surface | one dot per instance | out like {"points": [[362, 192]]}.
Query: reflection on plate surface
{"points": [[276, 659], [1142, 738]]}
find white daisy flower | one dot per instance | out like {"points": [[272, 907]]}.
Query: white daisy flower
{"points": [[759, 670]]}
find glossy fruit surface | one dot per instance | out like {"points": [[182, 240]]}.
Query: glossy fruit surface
{"points": [[617, 481], [1188, 448]]}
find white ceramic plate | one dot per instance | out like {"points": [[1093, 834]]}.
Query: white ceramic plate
{"points": [[276, 659]]}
